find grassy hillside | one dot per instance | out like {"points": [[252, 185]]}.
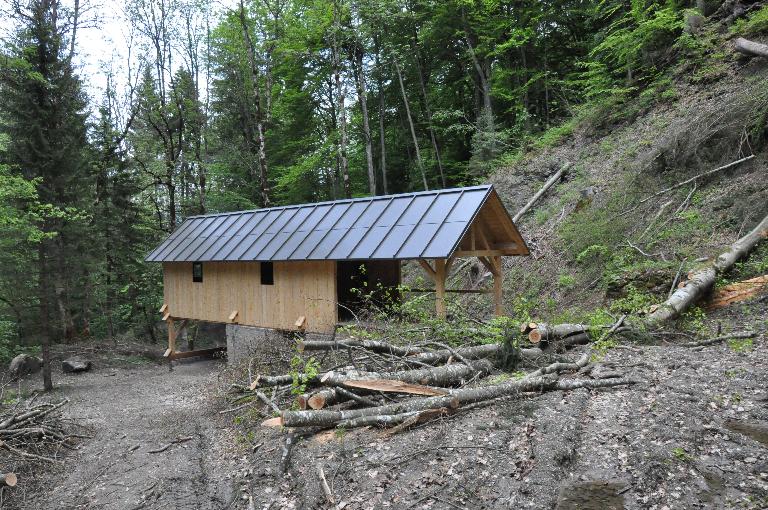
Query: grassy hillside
{"points": [[600, 238]]}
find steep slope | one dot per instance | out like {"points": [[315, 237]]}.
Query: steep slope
{"points": [[602, 232]]}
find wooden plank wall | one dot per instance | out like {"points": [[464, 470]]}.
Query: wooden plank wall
{"points": [[300, 288]]}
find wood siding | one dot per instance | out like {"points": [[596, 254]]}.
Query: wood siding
{"points": [[300, 288]]}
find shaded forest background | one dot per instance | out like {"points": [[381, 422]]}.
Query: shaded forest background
{"points": [[276, 102]]}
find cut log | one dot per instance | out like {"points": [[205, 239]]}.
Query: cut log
{"points": [[439, 376], [547, 332], [702, 280], [751, 48], [8, 479], [74, 365], [388, 420], [535, 198]]}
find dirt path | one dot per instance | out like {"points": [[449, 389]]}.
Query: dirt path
{"points": [[131, 411]]}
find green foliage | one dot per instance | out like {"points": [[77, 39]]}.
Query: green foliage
{"points": [[681, 455], [740, 344], [755, 24], [566, 281], [695, 320], [302, 371]]}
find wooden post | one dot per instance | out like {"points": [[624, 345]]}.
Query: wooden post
{"points": [[498, 290], [171, 337], [440, 270]]}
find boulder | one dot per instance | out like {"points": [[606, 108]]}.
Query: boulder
{"points": [[73, 365], [24, 364]]}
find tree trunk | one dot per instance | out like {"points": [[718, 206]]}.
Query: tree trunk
{"points": [[363, 100], [701, 281], [410, 124], [427, 110], [382, 137], [550, 182], [45, 325], [341, 99], [259, 121], [751, 48]]}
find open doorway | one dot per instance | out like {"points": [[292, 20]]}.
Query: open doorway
{"points": [[365, 284]]}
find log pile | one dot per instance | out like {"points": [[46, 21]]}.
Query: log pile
{"points": [[429, 383]]}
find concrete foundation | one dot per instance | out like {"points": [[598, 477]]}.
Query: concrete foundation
{"points": [[264, 343]]}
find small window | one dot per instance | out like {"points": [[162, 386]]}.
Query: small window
{"points": [[267, 273], [197, 271]]}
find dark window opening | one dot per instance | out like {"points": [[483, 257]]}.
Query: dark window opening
{"points": [[197, 271], [364, 287], [267, 273]]}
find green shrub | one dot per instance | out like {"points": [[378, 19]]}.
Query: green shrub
{"points": [[756, 24]]}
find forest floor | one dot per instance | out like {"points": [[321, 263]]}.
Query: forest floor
{"points": [[692, 434], [131, 406]]}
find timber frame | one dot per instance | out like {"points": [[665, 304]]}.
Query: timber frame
{"points": [[173, 333], [478, 242]]}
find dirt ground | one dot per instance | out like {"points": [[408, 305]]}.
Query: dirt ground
{"points": [[130, 407], [692, 434]]}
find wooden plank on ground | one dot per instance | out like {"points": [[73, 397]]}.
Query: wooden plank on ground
{"points": [[394, 386]]}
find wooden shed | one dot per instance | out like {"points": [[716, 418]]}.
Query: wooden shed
{"points": [[293, 267]]}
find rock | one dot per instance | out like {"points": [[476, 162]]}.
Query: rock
{"points": [[24, 364], [73, 365]]}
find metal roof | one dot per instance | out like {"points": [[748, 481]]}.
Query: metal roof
{"points": [[428, 224]]}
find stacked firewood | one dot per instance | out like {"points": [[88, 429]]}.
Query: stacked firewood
{"points": [[414, 383]]}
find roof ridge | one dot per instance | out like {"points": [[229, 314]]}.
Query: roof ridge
{"points": [[346, 200]]}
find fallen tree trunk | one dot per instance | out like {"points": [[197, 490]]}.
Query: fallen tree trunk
{"points": [[455, 399], [702, 280], [751, 48], [535, 198], [370, 345], [543, 379], [440, 376], [473, 352], [546, 332]]}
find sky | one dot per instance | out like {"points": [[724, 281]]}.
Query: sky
{"points": [[102, 42]]}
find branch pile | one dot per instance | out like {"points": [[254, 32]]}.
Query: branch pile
{"points": [[33, 431]]}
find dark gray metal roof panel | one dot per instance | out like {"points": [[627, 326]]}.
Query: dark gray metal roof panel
{"points": [[428, 224]]}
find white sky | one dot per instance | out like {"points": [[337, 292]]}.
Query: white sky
{"points": [[102, 45]]}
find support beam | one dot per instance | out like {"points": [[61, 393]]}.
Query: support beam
{"points": [[197, 353], [173, 334], [440, 274], [427, 268], [488, 263], [171, 337], [498, 289]]}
